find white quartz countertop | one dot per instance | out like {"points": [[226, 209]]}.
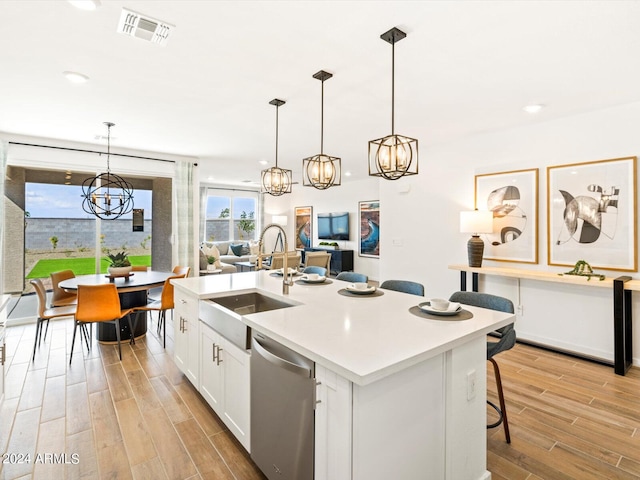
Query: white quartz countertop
{"points": [[361, 338]]}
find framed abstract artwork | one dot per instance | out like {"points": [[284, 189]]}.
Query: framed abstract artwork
{"points": [[304, 229], [369, 222], [513, 199], [591, 214]]}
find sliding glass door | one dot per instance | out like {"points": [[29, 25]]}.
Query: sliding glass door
{"points": [[60, 235]]}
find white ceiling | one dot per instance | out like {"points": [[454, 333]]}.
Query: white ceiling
{"points": [[465, 67]]}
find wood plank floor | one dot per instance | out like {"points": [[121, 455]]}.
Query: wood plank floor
{"points": [[135, 419], [141, 419]]}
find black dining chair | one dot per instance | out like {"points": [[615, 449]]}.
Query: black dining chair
{"points": [[352, 277], [506, 340], [405, 286]]}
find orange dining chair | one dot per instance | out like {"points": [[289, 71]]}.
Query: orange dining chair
{"points": [[61, 297], [100, 303], [45, 314], [139, 268], [184, 271], [161, 306]]}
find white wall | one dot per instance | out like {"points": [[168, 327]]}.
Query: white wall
{"points": [[420, 228], [343, 198]]}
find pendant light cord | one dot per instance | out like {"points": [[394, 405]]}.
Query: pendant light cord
{"points": [[277, 107], [322, 120], [393, 87]]}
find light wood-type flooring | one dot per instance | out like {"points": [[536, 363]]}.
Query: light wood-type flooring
{"points": [[141, 419]]}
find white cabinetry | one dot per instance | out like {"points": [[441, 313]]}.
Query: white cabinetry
{"points": [[224, 381], [185, 327]]}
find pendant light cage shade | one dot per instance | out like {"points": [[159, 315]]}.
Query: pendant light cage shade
{"points": [[276, 181], [393, 157], [107, 196], [321, 171]]}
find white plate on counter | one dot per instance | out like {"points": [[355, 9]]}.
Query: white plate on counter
{"points": [[361, 291], [319, 279], [293, 271], [453, 309]]}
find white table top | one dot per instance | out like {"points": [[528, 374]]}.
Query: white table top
{"points": [[136, 282], [363, 339]]}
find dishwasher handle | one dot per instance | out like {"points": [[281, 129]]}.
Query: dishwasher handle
{"points": [[280, 362]]}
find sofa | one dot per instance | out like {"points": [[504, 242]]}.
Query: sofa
{"points": [[230, 252]]}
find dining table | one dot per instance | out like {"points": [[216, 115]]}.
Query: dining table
{"points": [[133, 292]]}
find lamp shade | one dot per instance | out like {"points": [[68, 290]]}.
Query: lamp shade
{"points": [[476, 221], [279, 220]]}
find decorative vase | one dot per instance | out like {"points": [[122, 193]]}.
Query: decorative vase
{"points": [[211, 267], [120, 271], [253, 259]]}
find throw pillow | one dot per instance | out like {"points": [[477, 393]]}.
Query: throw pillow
{"points": [[245, 249], [236, 249], [212, 252], [203, 260]]}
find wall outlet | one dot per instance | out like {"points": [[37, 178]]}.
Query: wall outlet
{"points": [[520, 310], [471, 385]]}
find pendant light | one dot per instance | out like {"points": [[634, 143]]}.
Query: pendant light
{"points": [[393, 156], [107, 196], [276, 181], [321, 171]]}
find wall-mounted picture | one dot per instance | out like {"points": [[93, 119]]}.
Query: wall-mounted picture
{"points": [[591, 214], [512, 197], [369, 217], [304, 231]]}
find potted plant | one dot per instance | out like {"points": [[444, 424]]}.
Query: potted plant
{"points": [[119, 264], [211, 260]]}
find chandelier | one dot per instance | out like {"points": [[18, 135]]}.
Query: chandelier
{"points": [[393, 156], [276, 181], [321, 171], [107, 196]]}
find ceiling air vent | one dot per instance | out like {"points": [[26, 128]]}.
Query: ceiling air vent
{"points": [[144, 27]]}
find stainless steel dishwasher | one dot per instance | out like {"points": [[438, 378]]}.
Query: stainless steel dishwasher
{"points": [[282, 410]]}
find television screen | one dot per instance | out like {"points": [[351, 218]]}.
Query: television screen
{"points": [[333, 226]]}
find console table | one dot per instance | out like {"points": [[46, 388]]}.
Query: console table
{"points": [[621, 287], [341, 260]]}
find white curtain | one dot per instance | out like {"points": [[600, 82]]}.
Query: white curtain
{"points": [[4, 146], [183, 223]]}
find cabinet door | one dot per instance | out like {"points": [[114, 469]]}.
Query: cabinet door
{"points": [[211, 368], [236, 391], [333, 426], [186, 335]]}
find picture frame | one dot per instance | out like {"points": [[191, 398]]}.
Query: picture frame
{"points": [[369, 228], [304, 227], [592, 214], [512, 196]]}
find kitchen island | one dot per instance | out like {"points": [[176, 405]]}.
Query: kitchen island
{"points": [[400, 396]]}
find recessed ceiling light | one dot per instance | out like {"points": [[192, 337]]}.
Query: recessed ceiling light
{"points": [[533, 108], [347, 174], [75, 77], [262, 162], [85, 4]]}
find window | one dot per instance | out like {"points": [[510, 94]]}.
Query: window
{"points": [[231, 215]]}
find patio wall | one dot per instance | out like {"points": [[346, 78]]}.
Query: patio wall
{"points": [[80, 232]]}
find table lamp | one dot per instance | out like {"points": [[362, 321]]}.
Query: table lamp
{"points": [[476, 222]]}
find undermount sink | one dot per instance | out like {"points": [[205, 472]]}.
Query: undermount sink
{"points": [[253, 302], [224, 314]]}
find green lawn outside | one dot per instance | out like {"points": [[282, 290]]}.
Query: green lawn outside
{"points": [[79, 266]]}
